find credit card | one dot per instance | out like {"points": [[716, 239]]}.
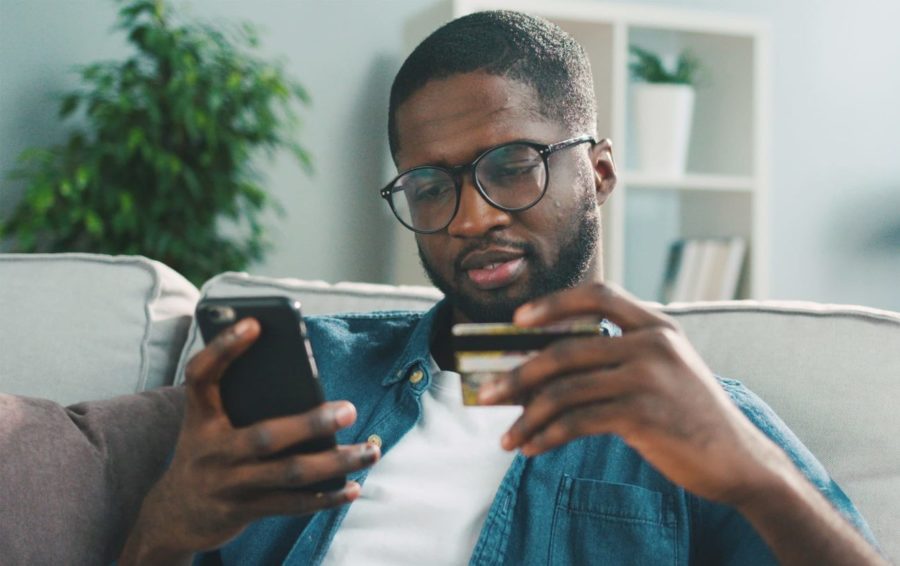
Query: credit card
{"points": [[486, 351]]}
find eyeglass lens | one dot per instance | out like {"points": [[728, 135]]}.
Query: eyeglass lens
{"points": [[512, 177]]}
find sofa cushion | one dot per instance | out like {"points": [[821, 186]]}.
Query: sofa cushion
{"points": [[83, 326], [832, 373], [316, 297], [73, 478]]}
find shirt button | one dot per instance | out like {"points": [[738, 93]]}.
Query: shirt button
{"points": [[374, 439], [416, 376]]}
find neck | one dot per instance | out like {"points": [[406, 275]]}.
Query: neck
{"points": [[441, 348]]}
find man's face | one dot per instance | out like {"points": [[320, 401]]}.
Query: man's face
{"points": [[489, 261]]}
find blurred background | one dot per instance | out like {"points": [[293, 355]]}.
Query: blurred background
{"points": [[821, 126]]}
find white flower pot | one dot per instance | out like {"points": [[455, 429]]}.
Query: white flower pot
{"points": [[663, 114]]}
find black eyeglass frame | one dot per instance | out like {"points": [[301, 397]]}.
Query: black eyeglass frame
{"points": [[456, 173]]}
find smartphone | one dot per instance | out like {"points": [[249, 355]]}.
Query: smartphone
{"points": [[485, 351], [276, 376]]}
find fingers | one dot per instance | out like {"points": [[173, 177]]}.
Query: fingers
{"points": [[571, 375], [204, 371], [594, 299], [292, 502], [563, 395], [561, 357], [298, 471], [597, 418], [272, 436]]}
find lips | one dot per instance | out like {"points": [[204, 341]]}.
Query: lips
{"points": [[493, 268]]}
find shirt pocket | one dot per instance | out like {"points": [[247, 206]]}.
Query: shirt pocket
{"points": [[598, 522]]}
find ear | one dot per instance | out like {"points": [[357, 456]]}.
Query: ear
{"points": [[604, 169]]}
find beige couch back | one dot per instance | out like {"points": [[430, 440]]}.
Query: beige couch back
{"points": [[832, 373]]}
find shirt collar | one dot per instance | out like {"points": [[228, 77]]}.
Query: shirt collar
{"points": [[417, 352]]}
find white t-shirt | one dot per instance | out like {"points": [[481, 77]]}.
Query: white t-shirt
{"points": [[425, 502]]}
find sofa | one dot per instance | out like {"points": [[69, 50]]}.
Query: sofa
{"points": [[93, 349]]}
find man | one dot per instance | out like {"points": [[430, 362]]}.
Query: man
{"points": [[628, 449]]}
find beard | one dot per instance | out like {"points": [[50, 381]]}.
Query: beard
{"points": [[572, 265]]}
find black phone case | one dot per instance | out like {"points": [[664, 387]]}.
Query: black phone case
{"points": [[276, 376]]}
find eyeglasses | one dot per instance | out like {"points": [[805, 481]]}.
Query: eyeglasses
{"points": [[512, 177]]}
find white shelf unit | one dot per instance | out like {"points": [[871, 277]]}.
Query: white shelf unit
{"points": [[724, 190]]}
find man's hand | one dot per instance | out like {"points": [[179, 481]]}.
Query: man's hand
{"points": [[649, 386], [220, 478]]}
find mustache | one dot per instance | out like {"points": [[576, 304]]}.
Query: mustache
{"points": [[480, 244]]}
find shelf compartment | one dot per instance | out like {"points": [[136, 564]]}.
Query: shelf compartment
{"points": [[723, 134]]}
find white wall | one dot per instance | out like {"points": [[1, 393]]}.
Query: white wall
{"points": [[835, 200], [345, 52]]}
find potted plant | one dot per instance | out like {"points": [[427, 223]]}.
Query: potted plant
{"points": [[663, 99], [164, 155]]}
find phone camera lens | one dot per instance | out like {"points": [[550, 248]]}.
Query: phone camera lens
{"points": [[221, 314]]}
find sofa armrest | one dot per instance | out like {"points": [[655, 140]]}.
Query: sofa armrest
{"points": [[89, 326]]}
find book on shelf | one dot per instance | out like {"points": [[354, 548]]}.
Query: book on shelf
{"points": [[704, 269]]}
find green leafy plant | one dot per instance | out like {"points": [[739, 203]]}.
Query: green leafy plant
{"points": [[648, 67], [164, 154]]}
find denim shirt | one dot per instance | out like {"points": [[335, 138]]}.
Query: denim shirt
{"points": [[594, 500]]}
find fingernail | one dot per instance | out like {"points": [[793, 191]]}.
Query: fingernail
{"points": [[486, 392], [370, 453], [533, 446], [527, 313], [506, 442], [343, 415], [523, 313], [242, 327], [352, 490], [491, 391]]}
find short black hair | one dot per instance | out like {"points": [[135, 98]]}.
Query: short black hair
{"points": [[518, 46]]}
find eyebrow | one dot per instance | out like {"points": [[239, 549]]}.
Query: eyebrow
{"points": [[444, 164]]}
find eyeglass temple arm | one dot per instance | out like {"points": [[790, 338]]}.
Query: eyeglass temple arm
{"points": [[569, 143]]}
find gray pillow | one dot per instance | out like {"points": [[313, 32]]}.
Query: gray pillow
{"points": [[72, 478], [86, 326]]}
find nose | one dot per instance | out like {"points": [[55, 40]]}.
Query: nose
{"points": [[475, 217]]}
